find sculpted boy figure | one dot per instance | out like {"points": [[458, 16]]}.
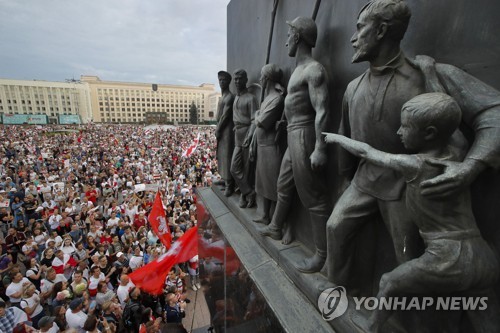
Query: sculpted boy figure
{"points": [[244, 107], [371, 113], [302, 168], [456, 258], [224, 132]]}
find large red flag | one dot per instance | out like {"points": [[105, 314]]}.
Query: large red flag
{"points": [[158, 221], [151, 278]]}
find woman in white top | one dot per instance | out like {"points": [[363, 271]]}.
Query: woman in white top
{"points": [[34, 272], [30, 248], [95, 277], [40, 237], [30, 303], [130, 211]]}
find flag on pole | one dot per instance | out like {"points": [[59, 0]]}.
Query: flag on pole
{"points": [[190, 150], [158, 221], [151, 278]]}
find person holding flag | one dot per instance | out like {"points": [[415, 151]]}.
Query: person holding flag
{"points": [[158, 221], [190, 150], [64, 264], [151, 277]]}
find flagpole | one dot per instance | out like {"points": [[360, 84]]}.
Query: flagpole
{"points": [[194, 309]]}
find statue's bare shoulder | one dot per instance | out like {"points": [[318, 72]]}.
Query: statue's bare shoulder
{"points": [[315, 74]]}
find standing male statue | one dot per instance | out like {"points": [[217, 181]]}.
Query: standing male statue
{"points": [[267, 149], [244, 107], [371, 113], [303, 166], [225, 132]]}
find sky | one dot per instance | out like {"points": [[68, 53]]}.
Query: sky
{"points": [[153, 41]]}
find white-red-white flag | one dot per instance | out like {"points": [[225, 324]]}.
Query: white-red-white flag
{"points": [[59, 265], [190, 150], [158, 221], [151, 278]]}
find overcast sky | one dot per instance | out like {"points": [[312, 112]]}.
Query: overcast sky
{"points": [[153, 41]]}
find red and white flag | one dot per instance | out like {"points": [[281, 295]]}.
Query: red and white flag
{"points": [[158, 221], [59, 264], [151, 278], [190, 150]]}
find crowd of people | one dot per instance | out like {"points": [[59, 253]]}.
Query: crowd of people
{"points": [[74, 208]]}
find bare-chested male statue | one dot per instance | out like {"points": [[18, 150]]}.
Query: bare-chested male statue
{"points": [[303, 166]]}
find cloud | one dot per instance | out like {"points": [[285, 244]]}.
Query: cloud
{"points": [[161, 41]]}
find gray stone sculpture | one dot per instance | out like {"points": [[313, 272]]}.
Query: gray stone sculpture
{"points": [[303, 167], [371, 114], [456, 258], [244, 107], [224, 132], [268, 157]]}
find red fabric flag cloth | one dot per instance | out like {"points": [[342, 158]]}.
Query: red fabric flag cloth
{"points": [[190, 150], [158, 221], [216, 250], [201, 213], [151, 278], [59, 264]]}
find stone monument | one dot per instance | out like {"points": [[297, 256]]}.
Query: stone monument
{"points": [[456, 258], [303, 166], [268, 157], [244, 107], [371, 114], [224, 132]]}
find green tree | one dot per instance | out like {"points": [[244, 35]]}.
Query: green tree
{"points": [[193, 114]]}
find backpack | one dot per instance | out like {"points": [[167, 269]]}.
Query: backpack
{"points": [[128, 314]]}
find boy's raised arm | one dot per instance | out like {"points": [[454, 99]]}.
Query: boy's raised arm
{"points": [[406, 164]]}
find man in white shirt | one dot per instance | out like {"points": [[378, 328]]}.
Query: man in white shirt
{"points": [[16, 288], [55, 219], [123, 289], [137, 259], [113, 221], [45, 189], [48, 283], [75, 317]]}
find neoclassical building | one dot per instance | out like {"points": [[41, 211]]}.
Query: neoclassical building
{"points": [[126, 102], [92, 99], [23, 101]]}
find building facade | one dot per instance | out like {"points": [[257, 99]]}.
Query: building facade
{"points": [[22, 101], [91, 99], [125, 102]]}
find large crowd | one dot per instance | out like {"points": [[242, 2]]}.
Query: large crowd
{"points": [[74, 206]]}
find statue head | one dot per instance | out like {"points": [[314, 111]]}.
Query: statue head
{"points": [[224, 79], [301, 29], [271, 72], [240, 79], [430, 119], [379, 20]]}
